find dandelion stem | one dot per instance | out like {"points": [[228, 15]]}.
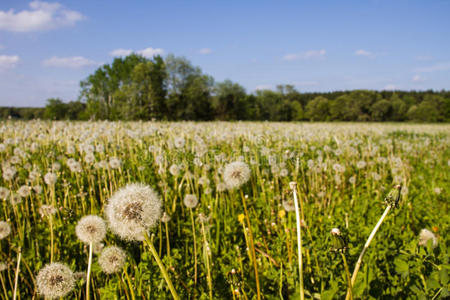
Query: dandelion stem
{"points": [[161, 267], [299, 240], [347, 274], [195, 246], [51, 238], [252, 246], [130, 285], [16, 280], [206, 256], [369, 240], [89, 272]]}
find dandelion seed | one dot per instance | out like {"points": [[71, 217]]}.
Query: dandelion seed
{"points": [[112, 259], [289, 205], [132, 211], [79, 276], [361, 164], [4, 192], [91, 229], [5, 229], [114, 163], [55, 280], [37, 189], [174, 170], [47, 210], [9, 173], [179, 142], [190, 201], [236, 174], [50, 178], [426, 235], [437, 191], [15, 199], [165, 217], [24, 191], [3, 266]]}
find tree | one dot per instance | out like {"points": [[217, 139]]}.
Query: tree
{"points": [[380, 110], [228, 101], [317, 109]]}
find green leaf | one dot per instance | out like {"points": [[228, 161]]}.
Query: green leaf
{"points": [[443, 276]]}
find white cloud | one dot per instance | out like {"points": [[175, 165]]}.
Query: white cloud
{"points": [[205, 51], [69, 62], [365, 53], [8, 61], [391, 87], [311, 54], [442, 66], [150, 52], [121, 52], [147, 52], [41, 16], [262, 87], [418, 78]]}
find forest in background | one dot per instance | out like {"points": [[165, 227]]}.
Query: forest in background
{"points": [[172, 89]]}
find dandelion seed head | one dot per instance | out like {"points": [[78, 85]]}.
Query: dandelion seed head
{"points": [[114, 163], [50, 178], [236, 174], [55, 280], [426, 235], [3, 266], [190, 201], [24, 191], [91, 229], [132, 211], [289, 205], [112, 259], [5, 229], [4, 192], [165, 217], [79, 276], [47, 210]]}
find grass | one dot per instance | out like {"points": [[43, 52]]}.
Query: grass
{"points": [[247, 243]]}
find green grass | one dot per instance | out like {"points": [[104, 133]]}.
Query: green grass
{"points": [[394, 267]]}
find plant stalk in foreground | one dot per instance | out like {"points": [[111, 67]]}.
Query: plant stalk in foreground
{"points": [[293, 186], [161, 267]]}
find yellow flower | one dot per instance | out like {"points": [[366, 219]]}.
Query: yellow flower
{"points": [[281, 214], [241, 218]]}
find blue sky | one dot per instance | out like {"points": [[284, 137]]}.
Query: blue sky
{"points": [[46, 48]]}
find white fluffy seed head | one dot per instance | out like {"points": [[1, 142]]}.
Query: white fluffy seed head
{"points": [[335, 231], [236, 174], [132, 211], [5, 229], [50, 178], [55, 280], [91, 229], [190, 201], [426, 235], [112, 259]]}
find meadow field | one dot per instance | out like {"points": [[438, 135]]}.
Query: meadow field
{"points": [[191, 210]]}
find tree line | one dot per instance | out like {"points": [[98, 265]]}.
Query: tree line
{"points": [[139, 88]]}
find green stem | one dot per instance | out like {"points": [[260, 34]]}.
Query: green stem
{"points": [[252, 246], [369, 240], [130, 285], [347, 274], [161, 267], [195, 247]]}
